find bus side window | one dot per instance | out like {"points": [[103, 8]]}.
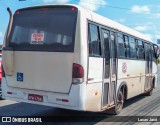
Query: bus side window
{"points": [[106, 46], [156, 50], [132, 45], [140, 50], [153, 54], [146, 51], [126, 41], [94, 41], [121, 52]]}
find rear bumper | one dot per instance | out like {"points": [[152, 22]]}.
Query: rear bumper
{"points": [[76, 96]]}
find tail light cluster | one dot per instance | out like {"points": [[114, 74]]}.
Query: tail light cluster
{"points": [[77, 73]]}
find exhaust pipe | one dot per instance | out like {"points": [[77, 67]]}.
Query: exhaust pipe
{"points": [[9, 26]]}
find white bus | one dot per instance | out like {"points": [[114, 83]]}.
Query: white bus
{"points": [[68, 57]]}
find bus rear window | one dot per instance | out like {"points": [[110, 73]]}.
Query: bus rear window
{"points": [[49, 29]]}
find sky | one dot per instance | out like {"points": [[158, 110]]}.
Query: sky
{"points": [[141, 15]]}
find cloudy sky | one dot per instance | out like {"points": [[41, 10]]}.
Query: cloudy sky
{"points": [[141, 15]]}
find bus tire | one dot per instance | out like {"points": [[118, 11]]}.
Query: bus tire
{"points": [[118, 106], [149, 93]]}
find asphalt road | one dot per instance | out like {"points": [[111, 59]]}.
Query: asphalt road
{"points": [[137, 106]]}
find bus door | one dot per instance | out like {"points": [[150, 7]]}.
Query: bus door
{"points": [[148, 67], [109, 67]]}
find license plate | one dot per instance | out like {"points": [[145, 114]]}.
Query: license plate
{"points": [[34, 97]]}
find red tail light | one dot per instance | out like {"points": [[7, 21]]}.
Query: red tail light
{"points": [[65, 100], [73, 9], [78, 71], [10, 93], [17, 12]]}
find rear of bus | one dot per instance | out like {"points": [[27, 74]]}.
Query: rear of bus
{"points": [[39, 63]]}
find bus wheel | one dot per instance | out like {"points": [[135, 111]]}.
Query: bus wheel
{"points": [[118, 106], [149, 93]]}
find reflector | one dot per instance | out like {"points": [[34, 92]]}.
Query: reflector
{"points": [[17, 12], [73, 9]]}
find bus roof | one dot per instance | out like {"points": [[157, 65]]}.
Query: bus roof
{"points": [[102, 20]]}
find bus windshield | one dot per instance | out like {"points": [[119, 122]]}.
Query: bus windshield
{"points": [[47, 29]]}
